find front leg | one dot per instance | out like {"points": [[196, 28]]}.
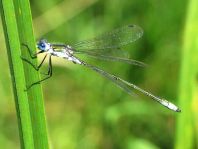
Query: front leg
{"points": [[32, 55], [49, 74], [34, 66]]}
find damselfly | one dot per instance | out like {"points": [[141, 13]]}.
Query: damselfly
{"points": [[98, 47]]}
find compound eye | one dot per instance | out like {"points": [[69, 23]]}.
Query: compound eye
{"points": [[42, 45]]}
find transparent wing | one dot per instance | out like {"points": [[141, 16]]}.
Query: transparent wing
{"points": [[112, 57], [111, 40], [110, 52]]}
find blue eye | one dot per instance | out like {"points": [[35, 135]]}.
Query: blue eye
{"points": [[42, 45]]}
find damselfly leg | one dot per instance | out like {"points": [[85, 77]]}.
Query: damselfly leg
{"points": [[37, 68], [48, 75], [33, 56]]}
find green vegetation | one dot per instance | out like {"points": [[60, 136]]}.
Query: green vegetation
{"points": [[87, 111], [17, 25], [188, 81], [22, 106]]}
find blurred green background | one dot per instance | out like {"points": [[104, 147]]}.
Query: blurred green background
{"points": [[86, 111]]}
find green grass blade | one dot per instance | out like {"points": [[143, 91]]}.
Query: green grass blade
{"points": [[17, 73], [19, 31], [188, 81], [36, 101]]}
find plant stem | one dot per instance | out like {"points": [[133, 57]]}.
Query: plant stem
{"points": [[17, 73], [188, 81], [17, 24]]}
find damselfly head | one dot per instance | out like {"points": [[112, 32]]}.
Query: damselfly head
{"points": [[43, 45]]}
